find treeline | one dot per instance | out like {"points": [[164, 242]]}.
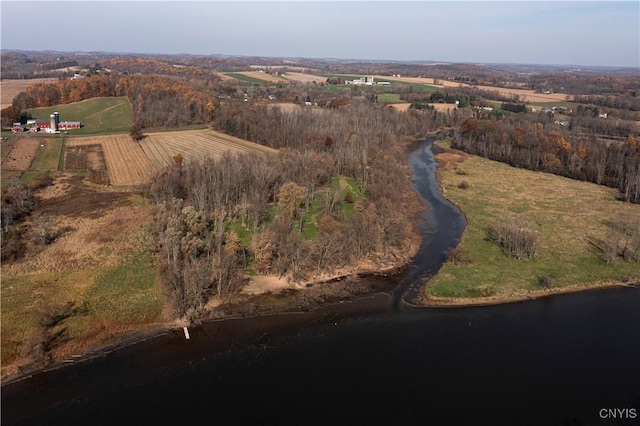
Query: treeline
{"points": [[522, 141], [611, 126], [175, 66], [155, 101], [611, 82], [628, 100], [347, 130]]}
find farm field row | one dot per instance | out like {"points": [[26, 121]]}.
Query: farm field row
{"points": [[526, 95], [194, 145], [255, 77], [404, 106], [126, 163], [133, 163], [304, 78]]}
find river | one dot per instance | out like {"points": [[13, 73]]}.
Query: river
{"points": [[560, 360]]}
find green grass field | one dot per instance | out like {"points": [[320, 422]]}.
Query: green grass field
{"points": [[129, 293], [564, 213], [115, 297], [389, 98], [97, 115], [246, 78], [48, 157], [47, 160]]}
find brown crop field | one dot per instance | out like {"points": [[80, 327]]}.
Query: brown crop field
{"points": [[288, 106], [225, 77], [127, 164], [527, 95], [133, 163], [404, 106], [160, 148], [9, 89], [263, 76], [421, 80], [304, 78], [87, 159], [21, 155]]}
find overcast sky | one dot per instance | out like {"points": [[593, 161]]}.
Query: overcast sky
{"points": [[538, 32]]}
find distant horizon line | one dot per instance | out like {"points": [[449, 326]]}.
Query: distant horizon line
{"points": [[386, 61]]}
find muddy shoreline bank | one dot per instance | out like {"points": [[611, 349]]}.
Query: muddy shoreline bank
{"points": [[317, 296]]}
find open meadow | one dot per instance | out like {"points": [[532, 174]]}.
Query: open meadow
{"points": [[98, 275], [97, 115], [566, 216]]}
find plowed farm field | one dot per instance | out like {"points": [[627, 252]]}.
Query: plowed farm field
{"points": [[133, 163], [126, 162], [305, 78], [160, 148]]}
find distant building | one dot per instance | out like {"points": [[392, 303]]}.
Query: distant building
{"points": [[18, 128], [367, 80]]}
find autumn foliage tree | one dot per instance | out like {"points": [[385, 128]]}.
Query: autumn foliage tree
{"points": [[535, 144]]}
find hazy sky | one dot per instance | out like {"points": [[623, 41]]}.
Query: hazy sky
{"points": [[540, 32]]}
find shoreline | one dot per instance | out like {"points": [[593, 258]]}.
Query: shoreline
{"points": [[312, 296], [340, 290], [461, 302]]}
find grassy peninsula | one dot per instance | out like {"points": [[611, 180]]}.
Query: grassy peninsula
{"points": [[572, 222]]}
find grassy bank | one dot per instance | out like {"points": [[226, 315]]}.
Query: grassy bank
{"points": [[98, 278], [565, 215]]}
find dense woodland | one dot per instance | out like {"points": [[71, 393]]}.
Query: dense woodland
{"points": [[271, 197]]}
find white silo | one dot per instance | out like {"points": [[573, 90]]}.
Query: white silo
{"points": [[55, 121]]}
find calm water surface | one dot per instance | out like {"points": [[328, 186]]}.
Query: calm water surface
{"points": [[375, 361]]}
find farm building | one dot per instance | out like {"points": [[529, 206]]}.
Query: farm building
{"points": [[367, 80], [53, 125], [68, 125]]}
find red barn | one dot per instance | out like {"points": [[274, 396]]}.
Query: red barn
{"points": [[68, 125]]}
